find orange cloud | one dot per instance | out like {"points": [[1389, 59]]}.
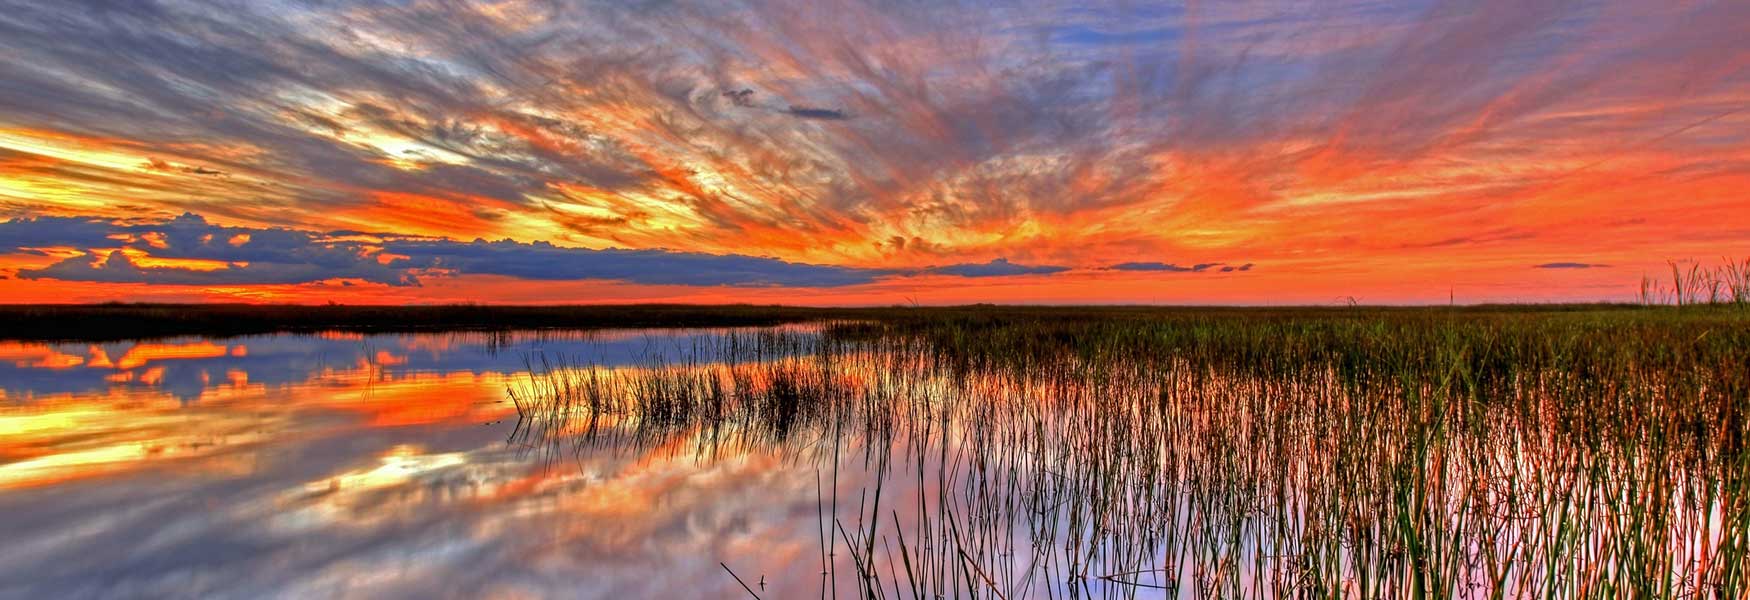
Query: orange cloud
{"points": [[1437, 147]]}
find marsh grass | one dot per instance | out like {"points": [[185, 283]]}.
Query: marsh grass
{"points": [[1692, 284], [1355, 454]]}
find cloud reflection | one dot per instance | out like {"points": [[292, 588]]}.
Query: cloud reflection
{"points": [[384, 478]]}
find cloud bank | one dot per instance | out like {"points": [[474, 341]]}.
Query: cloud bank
{"points": [[188, 250]]}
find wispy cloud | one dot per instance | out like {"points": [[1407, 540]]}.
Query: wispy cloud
{"points": [[1070, 134], [1173, 268]]}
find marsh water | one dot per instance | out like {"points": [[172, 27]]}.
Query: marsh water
{"points": [[778, 463], [364, 465]]}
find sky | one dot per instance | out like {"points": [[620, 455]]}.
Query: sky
{"points": [[868, 153]]}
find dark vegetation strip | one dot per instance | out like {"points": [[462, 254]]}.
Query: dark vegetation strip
{"points": [[116, 321], [98, 322]]}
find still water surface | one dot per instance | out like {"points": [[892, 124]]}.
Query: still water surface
{"points": [[800, 463], [364, 465]]}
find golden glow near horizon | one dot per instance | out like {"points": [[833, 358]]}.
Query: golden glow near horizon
{"points": [[1062, 153]]}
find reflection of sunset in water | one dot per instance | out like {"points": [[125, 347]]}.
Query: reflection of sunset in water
{"points": [[43, 356], [57, 439], [142, 354], [356, 464], [132, 424], [39, 356], [578, 465], [99, 437]]}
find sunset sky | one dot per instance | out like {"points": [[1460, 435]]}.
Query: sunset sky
{"points": [[839, 152]]}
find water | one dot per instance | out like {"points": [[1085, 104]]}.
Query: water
{"points": [[692, 463], [349, 465]]}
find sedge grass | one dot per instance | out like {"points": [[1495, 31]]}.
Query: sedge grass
{"points": [[1354, 454]]}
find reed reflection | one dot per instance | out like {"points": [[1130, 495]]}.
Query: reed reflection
{"points": [[1040, 468]]}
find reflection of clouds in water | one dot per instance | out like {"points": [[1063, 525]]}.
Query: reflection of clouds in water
{"points": [[420, 512], [187, 368], [169, 534], [312, 467], [104, 435], [124, 430]]}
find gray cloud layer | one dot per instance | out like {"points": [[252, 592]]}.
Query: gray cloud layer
{"points": [[285, 256]]}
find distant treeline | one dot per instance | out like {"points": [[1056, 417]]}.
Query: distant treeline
{"points": [[130, 321], [116, 321]]}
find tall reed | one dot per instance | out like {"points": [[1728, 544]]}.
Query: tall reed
{"points": [[1371, 454]]}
